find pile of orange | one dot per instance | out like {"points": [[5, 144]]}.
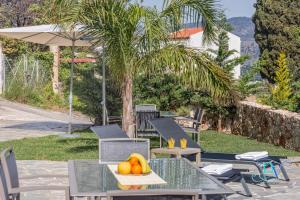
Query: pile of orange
{"points": [[132, 166]]}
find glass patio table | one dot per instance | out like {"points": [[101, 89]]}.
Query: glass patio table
{"points": [[88, 178]]}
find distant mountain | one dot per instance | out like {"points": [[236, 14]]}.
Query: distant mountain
{"points": [[244, 28]]}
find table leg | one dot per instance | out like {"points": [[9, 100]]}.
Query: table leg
{"points": [[198, 159], [178, 155], [196, 197], [160, 141], [153, 156]]}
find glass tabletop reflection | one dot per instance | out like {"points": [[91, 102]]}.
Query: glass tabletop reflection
{"points": [[180, 174]]}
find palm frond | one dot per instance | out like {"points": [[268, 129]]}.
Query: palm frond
{"points": [[231, 63], [137, 38], [194, 69], [200, 12]]}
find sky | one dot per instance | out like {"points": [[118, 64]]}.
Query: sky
{"points": [[233, 8]]}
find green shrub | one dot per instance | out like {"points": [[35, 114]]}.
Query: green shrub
{"points": [[281, 93], [163, 90], [296, 89]]}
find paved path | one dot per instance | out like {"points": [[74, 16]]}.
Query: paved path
{"points": [[280, 189], [18, 121]]}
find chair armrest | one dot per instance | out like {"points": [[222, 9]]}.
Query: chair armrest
{"points": [[40, 188], [196, 122], [45, 176], [37, 188]]}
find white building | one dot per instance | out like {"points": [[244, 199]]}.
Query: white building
{"points": [[193, 37]]}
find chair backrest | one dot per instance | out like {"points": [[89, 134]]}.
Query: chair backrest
{"points": [[199, 118], [3, 185], [168, 128], [145, 107], [109, 131], [116, 150], [142, 121], [10, 169], [196, 114]]}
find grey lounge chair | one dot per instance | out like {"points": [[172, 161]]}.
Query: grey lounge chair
{"points": [[167, 128], [11, 178], [235, 175], [109, 131]]}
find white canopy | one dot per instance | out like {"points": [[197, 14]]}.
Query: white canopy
{"points": [[51, 34], [56, 35]]}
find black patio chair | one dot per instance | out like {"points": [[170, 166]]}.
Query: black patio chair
{"points": [[9, 179], [195, 123], [168, 128], [143, 127], [145, 107]]}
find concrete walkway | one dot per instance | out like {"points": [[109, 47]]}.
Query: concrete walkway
{"points": [[279, 189], [19, 121]]}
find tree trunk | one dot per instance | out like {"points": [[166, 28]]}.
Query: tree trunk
{"points": [[220, 123], [127, 118], [55, 68]]}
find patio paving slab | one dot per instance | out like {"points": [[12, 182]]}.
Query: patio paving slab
{"points": [[280, 189]]}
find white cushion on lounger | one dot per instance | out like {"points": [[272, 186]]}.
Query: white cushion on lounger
{"points": [[217, 169], [252, 155]]}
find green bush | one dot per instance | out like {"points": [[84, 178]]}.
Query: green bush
{"points": [[281, 93], [167, 93], [163, 90], [296, 89]]}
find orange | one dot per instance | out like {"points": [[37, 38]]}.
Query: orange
{"points": [[124, 187], [136, 169], [134, 161], [124, 167], [136, 187]]}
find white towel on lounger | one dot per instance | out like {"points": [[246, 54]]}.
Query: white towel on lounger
{"points": [[217, 169], [252, 155]]}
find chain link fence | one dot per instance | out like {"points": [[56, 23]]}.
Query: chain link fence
{"points": [[26, 72]]}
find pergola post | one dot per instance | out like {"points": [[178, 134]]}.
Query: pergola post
{"points": [[55, 68]]}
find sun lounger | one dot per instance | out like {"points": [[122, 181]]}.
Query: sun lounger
{"points": [[109, 131], [226, 173], [168, 128]]}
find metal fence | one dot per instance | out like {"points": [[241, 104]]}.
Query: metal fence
{"points": [[25, 71]]}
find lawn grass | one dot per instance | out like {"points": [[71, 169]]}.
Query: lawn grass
{"points": [[219, 142], [86, 147]]}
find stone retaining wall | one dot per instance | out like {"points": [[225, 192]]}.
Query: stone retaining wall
{"points": [[279, 127]]}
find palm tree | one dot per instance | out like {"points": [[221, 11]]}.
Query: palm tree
{"points": [[138, 38]]}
